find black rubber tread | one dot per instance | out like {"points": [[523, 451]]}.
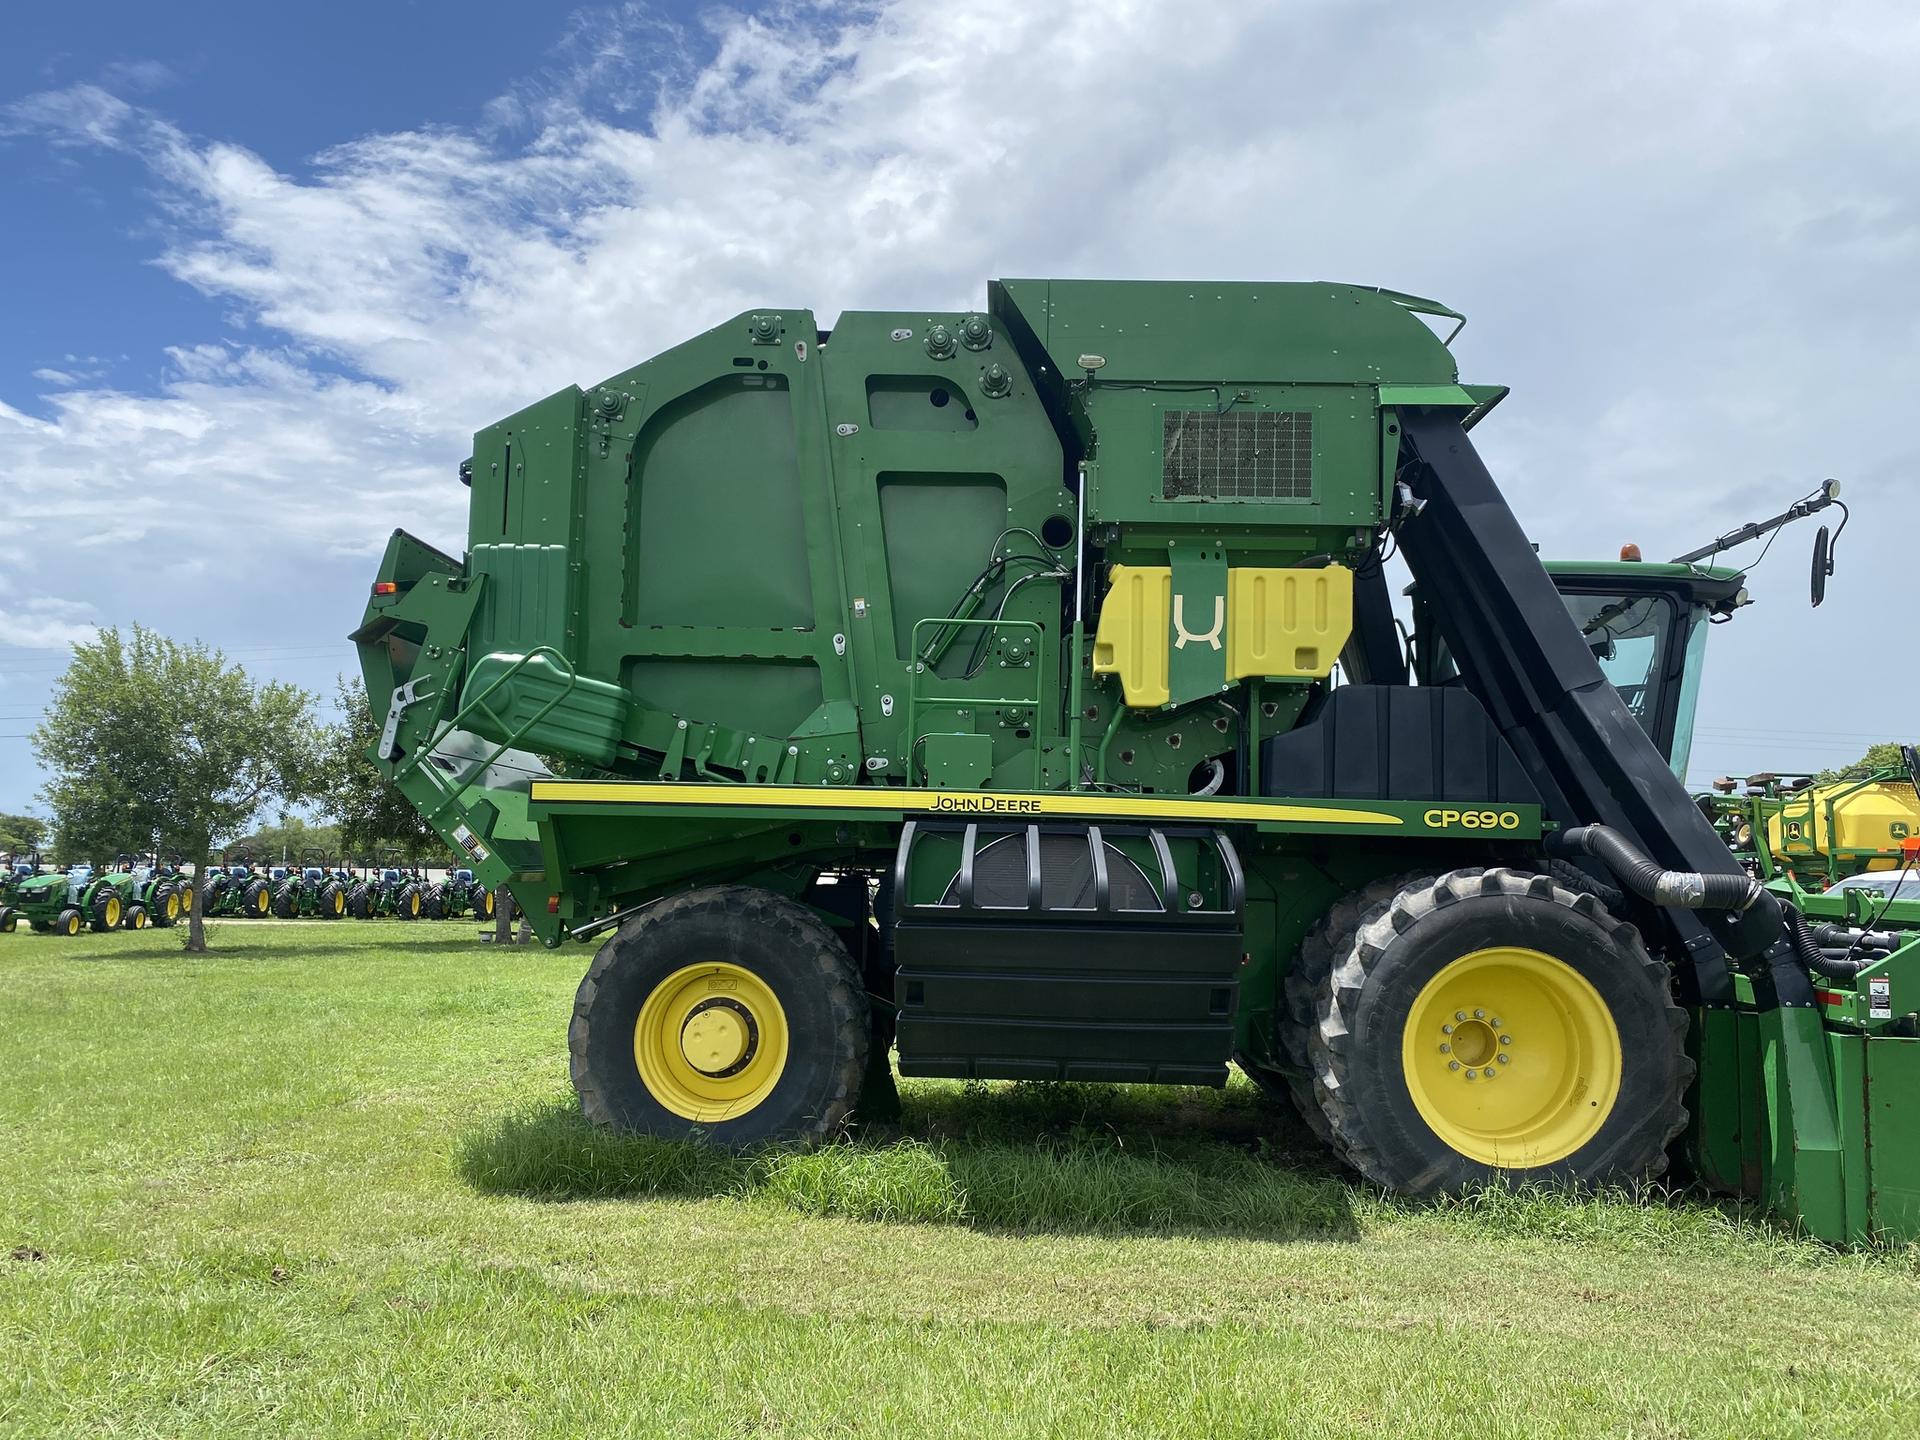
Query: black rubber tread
{"points": [[324, 907], [359, 903], [127, 921], [1376, 1130], [250, 897], [286, 900], [68, 922], [817, 981], [97, 911], [9, 920], [157, 912], [433, 904], [1306, 980]]}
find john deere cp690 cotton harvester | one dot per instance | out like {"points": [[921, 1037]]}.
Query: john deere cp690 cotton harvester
{"points": [[966, 683]]}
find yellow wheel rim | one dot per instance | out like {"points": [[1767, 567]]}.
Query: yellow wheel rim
{"points": [[1511, 1057], [487, 905], [413, 905], [186, 899], [339, 903], [711, 1042], [137, 920], [113, 911], [73, 925], [263, 904], [173, 905]]}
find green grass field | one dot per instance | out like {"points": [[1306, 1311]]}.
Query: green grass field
{"points": [[327, 1181]]}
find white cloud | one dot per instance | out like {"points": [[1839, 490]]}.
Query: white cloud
{"points": [[1685, 235], [45, 624]]}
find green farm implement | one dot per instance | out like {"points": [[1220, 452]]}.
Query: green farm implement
{"points": [[1818, 831], [460, 894], [1021, 692]]}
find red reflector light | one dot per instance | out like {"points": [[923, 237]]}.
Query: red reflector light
{"points": [[553, 904], [385, 587]]}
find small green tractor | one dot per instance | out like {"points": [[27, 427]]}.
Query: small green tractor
{"points": [[237, 890], [312, 890], [393, 893], [457, 895], [1022, 692], [66, 902], [161, 892], [15, 873]]}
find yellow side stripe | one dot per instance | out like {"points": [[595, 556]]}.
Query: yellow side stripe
{"points": [[946, 802]]}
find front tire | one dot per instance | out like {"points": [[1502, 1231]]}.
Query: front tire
{"points": [[731, 1013], [9, 920], [68, 923], [1488, 1024], [135, 918]]}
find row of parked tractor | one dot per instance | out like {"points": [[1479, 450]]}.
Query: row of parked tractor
{"points": [[132, 896]]}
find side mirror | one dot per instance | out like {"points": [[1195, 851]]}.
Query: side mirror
{"points": [[1603, 647], [1822, 564]]}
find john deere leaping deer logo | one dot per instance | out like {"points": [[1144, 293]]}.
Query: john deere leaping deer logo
{"points": [[1211, 637]]}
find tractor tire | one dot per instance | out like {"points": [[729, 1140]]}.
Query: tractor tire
{"points": [[106, 911], [184, 889], [1489, 1025], [433, 905], [359, 903], [68, 922], [166, 908], [9, 920], [1306, 979], [484, 904], [256, 901], [332, 904], [410, 903], [286, 901], [730, 1013], [135, 918]]}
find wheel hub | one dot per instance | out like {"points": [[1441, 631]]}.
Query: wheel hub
{"points": [[719, 1037]]}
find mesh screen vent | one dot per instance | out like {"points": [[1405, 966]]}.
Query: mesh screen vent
{"points": [[1241, 455]]}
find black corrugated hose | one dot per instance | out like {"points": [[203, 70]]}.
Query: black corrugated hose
{"points": [[1675, 889]]}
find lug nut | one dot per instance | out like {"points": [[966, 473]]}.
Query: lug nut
{"points": [[1488, 1072], [1479, 1014], [1445, 1048], [1504, 1059], [1459, 1014], [1506, 1039], [1446, 1029], [1472, 1073], [1453, 1064]]}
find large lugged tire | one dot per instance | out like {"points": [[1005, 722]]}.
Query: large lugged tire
{"points": [[166, 909], [1305, 982], [9, 920], [286, 901], [729, 1012], [1489, 1024], [332, 903], [105, 912], [256, 901], [360, 903]]}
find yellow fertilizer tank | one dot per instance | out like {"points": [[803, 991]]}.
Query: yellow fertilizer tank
{"points": [[1858, 824]]}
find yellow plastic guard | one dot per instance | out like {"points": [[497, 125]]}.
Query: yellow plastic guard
{"points": [[1287, 623], [1131, 641]]}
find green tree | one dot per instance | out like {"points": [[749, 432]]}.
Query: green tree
{"points": [[169, 743], [369, 810], [21, 834], [1883, 756], [289, 838]]}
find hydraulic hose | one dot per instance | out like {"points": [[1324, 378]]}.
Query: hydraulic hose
{"points": [[1812, 956], [1674, 889]]}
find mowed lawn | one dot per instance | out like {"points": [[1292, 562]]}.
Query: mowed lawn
{"points": [[326, 1181]]}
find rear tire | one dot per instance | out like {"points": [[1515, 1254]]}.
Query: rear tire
{"points": [[764, 971], [256, 901], [359, 904], [333, 902], [433, 905], [1578, 1083], [166, 906], [107, 912]]}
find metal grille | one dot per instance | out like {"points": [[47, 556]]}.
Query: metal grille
{"points": [[1239, 455]]}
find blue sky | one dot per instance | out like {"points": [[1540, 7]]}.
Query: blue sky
{"points": [[266, 270]]}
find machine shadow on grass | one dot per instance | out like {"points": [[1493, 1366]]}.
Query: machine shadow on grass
{"points": [[999, 1157]]}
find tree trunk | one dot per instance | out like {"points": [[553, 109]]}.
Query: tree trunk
{"points": [[202, 862]]}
